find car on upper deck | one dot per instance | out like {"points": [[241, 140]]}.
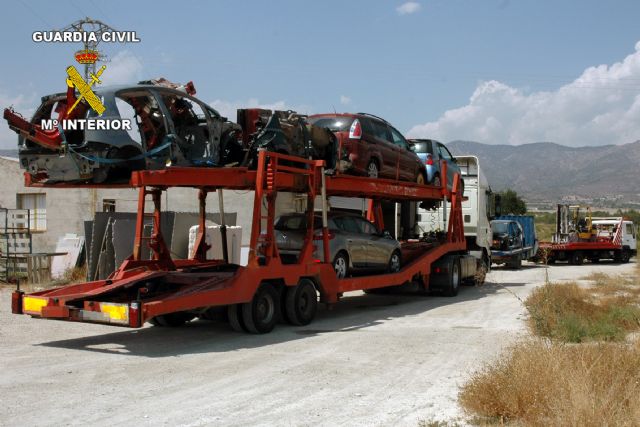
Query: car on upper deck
{"points": [[168, 126], [370, 146], [432, 153]]}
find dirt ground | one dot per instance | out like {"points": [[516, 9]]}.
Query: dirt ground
{"points": [[373, 360]]}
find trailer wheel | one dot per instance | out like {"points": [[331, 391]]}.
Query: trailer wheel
{"points": [[577, 258], [261, 314], [234, 313], [301, 303], [453, 284]]}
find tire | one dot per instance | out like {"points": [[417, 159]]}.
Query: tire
{"points": [[577, 258], [262, 313], [453, 284], [234, 313], [301, 303], [481, 271], [341, 265], [516, 262], [395, 262], [373, 170], [172, 320], [625, 256]]}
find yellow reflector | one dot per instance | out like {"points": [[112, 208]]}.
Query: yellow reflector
{"points": [[33, 304], [115, 311]]}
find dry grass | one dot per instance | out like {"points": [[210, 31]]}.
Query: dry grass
{"points": [[541, 382], [570, 313], [548, 383]]}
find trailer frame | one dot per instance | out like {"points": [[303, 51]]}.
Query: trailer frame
{"points": [[167, 291]]}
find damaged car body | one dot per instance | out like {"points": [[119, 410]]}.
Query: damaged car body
{"points": [[168, 126]]}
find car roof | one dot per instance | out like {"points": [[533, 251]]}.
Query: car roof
{"points": [[354, 115]]}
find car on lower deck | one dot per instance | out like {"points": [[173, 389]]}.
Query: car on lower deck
{"points": [[431, 153], [355, 244], [370, 146]]}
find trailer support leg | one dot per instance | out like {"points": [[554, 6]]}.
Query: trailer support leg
{"points": [[223, 227]]}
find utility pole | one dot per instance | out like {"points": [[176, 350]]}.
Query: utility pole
{"points": [[91, 26]]}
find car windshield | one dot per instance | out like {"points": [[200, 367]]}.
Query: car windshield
{"points": [[421, 147], [499, 227], [334, 124]]}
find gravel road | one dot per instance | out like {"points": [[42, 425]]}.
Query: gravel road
{"points": [[373, 360]]}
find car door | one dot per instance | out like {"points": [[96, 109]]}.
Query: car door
{"points": [[377, 252], [406, 158], [352, 240], [384, 145], [452, 166]]}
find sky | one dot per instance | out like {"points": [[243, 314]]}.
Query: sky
{"points": [[492, 71]]}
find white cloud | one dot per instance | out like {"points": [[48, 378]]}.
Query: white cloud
{"points": [[124, 68], [408, 8], [345, 100], [228, 108], [601, 106]]}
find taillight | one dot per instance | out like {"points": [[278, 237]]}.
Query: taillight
{"points": [[318, 236], [429, 160], [356, 130]]}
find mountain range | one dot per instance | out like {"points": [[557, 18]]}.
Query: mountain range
{"points": [[545, 171], [549, 171]]}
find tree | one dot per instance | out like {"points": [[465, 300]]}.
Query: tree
{"points": [[511, 203]]}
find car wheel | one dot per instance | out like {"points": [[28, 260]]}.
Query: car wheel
{"points": [[395, 262], [436, 181], [341, 265], [372, 169]]}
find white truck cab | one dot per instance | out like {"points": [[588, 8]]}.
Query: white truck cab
{"points": [[477, 211], [608, 226]]}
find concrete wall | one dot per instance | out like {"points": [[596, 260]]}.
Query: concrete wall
{"points": [[67, 209]]}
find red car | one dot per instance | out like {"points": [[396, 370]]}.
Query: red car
{"points": [[370, 146]]}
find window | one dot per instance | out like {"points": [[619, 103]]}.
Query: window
{"points": [[398, 139], [366, 227], [36, 203], [444, 153], [191, 128], [142, 106], [348, 224], [380, 130], [108, 205], [629, 229]]}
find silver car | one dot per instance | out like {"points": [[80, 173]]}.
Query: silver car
{"points": [[355, 244]]}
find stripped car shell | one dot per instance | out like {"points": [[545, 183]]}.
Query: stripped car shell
{"points": [[168, 126]]}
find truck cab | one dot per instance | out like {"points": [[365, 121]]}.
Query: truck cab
{"points": [[478, 207]]}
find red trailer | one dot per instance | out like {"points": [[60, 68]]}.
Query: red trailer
{"points": [[169, 292]]}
